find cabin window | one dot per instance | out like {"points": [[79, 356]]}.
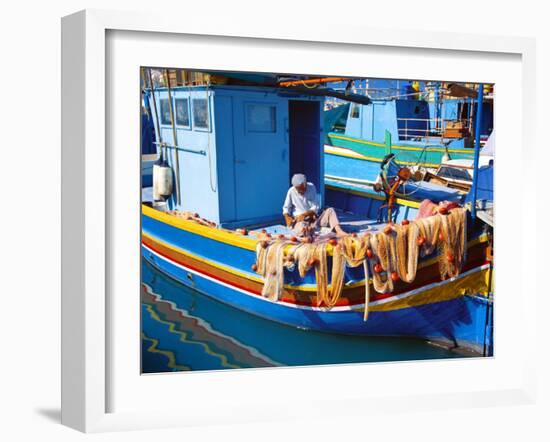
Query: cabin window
{"points": [[165, 112], [354, 110], [182, 112], [200, 113], [260, 118]]}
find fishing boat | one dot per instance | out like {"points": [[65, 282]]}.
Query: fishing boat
{"points": [[421, 131], [214, 224]]}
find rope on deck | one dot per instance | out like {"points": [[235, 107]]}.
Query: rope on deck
{"points": [[189, 216]]}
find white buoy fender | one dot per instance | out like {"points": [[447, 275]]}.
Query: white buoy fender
{"points": [[162, 181]]}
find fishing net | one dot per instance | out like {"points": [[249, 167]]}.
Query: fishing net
{"points": [[388, 256]]}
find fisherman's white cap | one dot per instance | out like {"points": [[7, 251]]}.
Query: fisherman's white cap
{"points": [[298, 179]]}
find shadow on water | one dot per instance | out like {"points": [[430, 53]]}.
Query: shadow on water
{"points": [[184, 330]]}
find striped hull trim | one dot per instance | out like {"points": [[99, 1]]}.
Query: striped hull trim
{"points": [[374, 152], [465, 151], [428, 288]]}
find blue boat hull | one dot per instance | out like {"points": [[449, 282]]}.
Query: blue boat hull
{"points": [[463, 322]]}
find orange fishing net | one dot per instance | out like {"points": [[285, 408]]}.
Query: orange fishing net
{"points": [[396, 251]]}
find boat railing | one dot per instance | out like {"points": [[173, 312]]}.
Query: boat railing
{"points": [[183, 149], [412, 128]]}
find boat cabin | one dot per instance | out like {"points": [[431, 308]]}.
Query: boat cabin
{"points": [[236, 148], [459, 116], [403, 119]]}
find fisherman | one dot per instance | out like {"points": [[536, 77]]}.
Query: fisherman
{"points": [[301, 209]]}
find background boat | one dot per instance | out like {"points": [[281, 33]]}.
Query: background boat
{"points": [[422, 125]]}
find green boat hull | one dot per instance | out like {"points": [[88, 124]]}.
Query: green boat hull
{"points": [[422, 155]]}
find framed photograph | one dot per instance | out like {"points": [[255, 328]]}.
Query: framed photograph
{"points": [[253, 219]]}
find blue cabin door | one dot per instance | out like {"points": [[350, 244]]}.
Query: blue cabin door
{"points": [[306, 148], [261, 161]]}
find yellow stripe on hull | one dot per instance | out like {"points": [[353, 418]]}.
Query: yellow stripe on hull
{"points": [[221, 235], [358, 156], [302, 287], [350, 154], [472, 284]]}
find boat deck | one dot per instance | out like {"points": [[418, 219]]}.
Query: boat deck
{"points": [[350, 222]]}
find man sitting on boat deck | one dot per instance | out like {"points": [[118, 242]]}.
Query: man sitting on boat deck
{"points": [[301, 209]]}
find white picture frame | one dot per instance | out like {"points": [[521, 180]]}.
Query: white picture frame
{"points": [[88, 316]]}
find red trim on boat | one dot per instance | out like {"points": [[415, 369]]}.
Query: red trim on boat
{"points": [[343, 302]]}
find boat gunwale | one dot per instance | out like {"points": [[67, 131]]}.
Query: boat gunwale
{"points": [[235, 241], [467, 150], [222, 235], [383, 304], [359, 156]]}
